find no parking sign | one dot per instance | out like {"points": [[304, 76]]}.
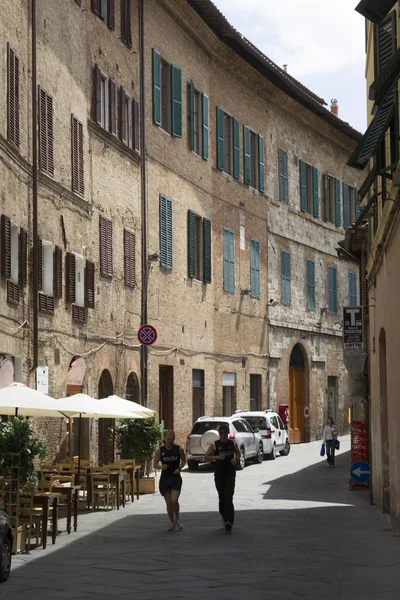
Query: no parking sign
{"points": [[147, 335]]}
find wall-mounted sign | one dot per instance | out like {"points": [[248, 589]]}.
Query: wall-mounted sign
{"points": [[42, 379], [353, 329]]}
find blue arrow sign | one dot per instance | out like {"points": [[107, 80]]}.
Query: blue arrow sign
{"points": [[360, 472]]}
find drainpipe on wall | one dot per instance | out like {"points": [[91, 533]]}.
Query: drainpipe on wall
{"points": [[35, 193], [143, 348]]}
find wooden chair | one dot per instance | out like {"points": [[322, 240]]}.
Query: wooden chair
{"points": [[125, 463], [30, 516], [103, 491]]}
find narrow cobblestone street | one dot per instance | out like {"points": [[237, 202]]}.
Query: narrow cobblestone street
{"points": [[299, 533]]}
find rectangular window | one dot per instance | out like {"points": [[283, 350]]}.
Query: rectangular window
{"points": [[229, 260], [105, 101], [228, 144], [165, 233], [129, 259], [79, 285], [197, 394], [78, 180], [329, 213], [105, 10], [310, 284], [49, 275], [126, 27], [255, 393], [13, 266], [285, 278], [352, 289], [253, 154], [129, 120], [351, 209], [106, 247], [309, 189], [283, 176], [46, 155], [167, 95], [12, 97], [198, 121], [199, 248], [332, 290], [254, 268]]}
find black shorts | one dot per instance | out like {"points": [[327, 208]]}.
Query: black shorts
{"points": [[170, 483]]}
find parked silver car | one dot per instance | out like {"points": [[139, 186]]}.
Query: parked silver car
{"points": [[274, 433], [205, 432]]}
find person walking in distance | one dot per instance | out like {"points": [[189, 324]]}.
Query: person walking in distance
{"points": [[225, 453], [171, 459], [329, 437]]}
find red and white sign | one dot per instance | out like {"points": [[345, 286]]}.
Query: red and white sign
{"points": [[147, 335]]}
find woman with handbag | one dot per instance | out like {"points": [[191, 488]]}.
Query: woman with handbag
{"points": [[329, 438]]}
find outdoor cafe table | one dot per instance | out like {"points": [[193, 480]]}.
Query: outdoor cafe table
{"points": [[72, 497], [117, 478], [44, 499]]}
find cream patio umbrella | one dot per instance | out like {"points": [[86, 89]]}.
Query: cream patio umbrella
{"points": [[18, 399], [127, 405]]}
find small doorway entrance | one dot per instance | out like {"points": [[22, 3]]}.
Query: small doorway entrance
{"points": [[166, 387], [332, 398], [255, 392], [296, 395], [228, 394], [197, 394], [105, 439], [132, 390]]}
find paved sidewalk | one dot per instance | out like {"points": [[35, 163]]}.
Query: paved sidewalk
{"points": [[299, 533]]}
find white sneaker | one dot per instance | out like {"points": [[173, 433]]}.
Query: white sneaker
{"points": [[171, 526], [179, 524]]}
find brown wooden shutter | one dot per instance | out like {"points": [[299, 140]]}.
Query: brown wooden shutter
{"points": [[122, 114], [96, 7], [22, 258], [78, 183], [40, 264], [136, 125], [89, 284], [126, 29], [49, 132], [81, 159], [103, 246], [129, 258], [113, 107], [111, 14], [13, 96], [78, 314], [109, 248], [70, 277], [57, 276], [12, 292], [42, 131], [5, 247], [97, 95]]}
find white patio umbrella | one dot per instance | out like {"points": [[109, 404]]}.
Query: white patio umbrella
{"points": [[119, 403], [19, 399]]}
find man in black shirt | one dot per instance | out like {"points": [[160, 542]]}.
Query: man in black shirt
{"points": [[225, 453], [172, 458]]}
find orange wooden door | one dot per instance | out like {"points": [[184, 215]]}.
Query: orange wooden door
{"points": [[296, 405]]}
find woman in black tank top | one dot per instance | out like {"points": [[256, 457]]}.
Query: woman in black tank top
{"points": [[170, 459]]}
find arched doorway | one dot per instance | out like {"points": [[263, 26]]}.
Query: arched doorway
{"points": [[105, 439], [132, 390], [384, 423], [297, 373]]}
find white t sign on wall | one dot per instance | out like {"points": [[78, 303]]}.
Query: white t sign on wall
{"points": [[42, 379]]}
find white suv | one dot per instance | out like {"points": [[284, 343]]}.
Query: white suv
{"points": [[273, 432], [205, 432]]}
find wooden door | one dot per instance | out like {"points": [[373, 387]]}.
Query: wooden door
{"points": [[166, 387], [296, 405]]}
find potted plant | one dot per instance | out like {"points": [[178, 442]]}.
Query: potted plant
{"points": [[18, 436], [137, 439]]}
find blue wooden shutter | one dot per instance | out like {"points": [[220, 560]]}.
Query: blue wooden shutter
{"points": [[229, 260], [357, 203], [206, 250], [246, 154], [282, 175], [310, 284], [260, 163], [254, 268], [326, 197], [165, 233], [191, 115], [220, 139], [332, 290], [176, 101], [285, 277], [191, 244], [338, 220], [204, 126], [346, 216], [315, 192], [303, 186], [156, 87], [236, 148]]}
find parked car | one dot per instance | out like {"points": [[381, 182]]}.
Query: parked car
{"points": [[6, 543], [273, 432], [205, 432]]}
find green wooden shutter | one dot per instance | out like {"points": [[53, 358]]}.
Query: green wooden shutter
{"points": [[283, 176], [332, 290], [346, 216], [204, 126], [165, 233], [229, 260], [352, 289], [358, 212], [310, 284], [315, 192], [303, 186], [261, 165], [326, 197], [206, 250], [220, 139], [236, 148], [156, 87], [176, 101], [254, 268], [338, 219], [191, 115], [191, 244], [246, 154], [285, 277]]}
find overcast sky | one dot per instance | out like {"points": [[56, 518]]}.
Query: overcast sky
{"points": [[321, 41]]}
